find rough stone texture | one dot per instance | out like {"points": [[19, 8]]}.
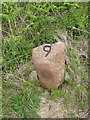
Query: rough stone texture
{"points": [[50, 69], [33, 75]]}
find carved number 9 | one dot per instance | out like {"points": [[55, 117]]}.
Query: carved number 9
{"points": [[45, 49]]}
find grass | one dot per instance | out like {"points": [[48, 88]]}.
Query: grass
{"points": [[21, 95], [20, 100]]}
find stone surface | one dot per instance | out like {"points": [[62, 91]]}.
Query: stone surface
{"points": [[33, 75], [50, 68]]}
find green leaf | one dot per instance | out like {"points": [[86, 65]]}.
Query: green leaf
{"points": [[15, 13], [4, 16]]}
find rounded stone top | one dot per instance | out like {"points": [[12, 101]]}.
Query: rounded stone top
{"points": [[46, 52]]}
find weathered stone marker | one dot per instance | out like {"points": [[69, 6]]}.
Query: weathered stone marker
{"points": [[49, 64]]}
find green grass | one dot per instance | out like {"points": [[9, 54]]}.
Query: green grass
{"points": [[20, 100], [25, 31], [21, 96]]}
